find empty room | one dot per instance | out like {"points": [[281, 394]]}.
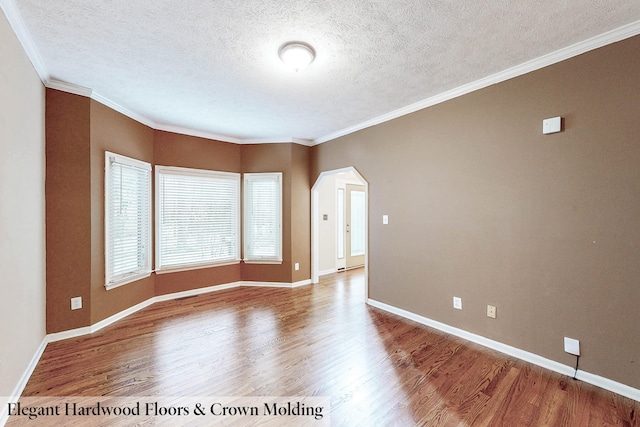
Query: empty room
{"points": [[320, 213]]}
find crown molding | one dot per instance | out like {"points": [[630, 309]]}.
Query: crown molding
{"points": [[615, 35], [17, 24], [123, 110], [89, 93], [83, 91], [300, 141], [560, 55], [68, 87], [197, 133], [276, 140]]}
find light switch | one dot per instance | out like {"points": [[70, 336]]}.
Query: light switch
{"points": [[552, 125], [385, 219]]}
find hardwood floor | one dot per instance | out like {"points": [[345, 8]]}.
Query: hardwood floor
{"points": [[320, 340]]}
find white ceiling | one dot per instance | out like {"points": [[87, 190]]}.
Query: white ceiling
{"points": [[211, 67]]}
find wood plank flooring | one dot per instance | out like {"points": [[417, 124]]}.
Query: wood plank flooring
{"points": [[321, 340]]}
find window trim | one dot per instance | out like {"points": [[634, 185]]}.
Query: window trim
{"points": [[175, 170], [145, 272], [267, 260]]}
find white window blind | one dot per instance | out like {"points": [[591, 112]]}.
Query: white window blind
{"points": [[263, 217], [127, 220], [197, 218]]}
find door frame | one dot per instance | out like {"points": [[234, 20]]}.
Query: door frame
{"points": [[315, 225]]}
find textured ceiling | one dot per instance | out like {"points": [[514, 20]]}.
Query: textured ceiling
{"points": [[212, 65]]}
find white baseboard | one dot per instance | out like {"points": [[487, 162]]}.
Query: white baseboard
{"points": [[276, 284], [301, 283], [22, 383], [194, 292], [87, 330], [605, 383], [326, 272]]}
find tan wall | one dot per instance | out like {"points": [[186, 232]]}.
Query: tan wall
{"points": [[483, 206], [112, 131], [22, 211], [327, 229], [68, 193], [171, 149]]}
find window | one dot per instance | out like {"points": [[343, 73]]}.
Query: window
{"points": [[197, 218], [263, 217], [127, 220], [358, 228]]}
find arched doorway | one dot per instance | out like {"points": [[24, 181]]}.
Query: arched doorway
{"points": [[323, 218]]}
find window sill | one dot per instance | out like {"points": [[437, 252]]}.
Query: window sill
{"points": [[129, 279], [262, 261], [195, 267]]}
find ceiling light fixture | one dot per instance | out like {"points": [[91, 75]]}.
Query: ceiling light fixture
{"points": [[297, 55]]}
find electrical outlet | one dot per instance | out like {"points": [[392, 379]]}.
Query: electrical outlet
{"points": [[76, 303], [457, 303], [491, 311], [297, 266], [572, 346]]}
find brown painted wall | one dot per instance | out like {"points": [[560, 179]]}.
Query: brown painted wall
{"points": [[483, 206], [79, 130], [68, 209], [301, 211], [173, 149], [112, 131], [272, 158], [168, 283], [187, 151]]}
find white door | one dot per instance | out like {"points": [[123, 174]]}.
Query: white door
{"points": [[355, 225]]}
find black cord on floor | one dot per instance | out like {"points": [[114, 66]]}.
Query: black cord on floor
{"points": [[575, 375]]}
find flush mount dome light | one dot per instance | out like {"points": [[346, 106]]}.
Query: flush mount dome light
{"points": [[297, 55]]}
